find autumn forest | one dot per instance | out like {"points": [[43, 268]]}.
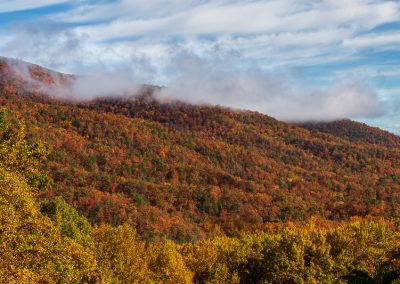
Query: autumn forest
{"points": [[132, 189]]}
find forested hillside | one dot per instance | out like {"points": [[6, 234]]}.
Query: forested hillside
{"points": [[47, 241], [355, 132], [189, 172], [131, 190]]}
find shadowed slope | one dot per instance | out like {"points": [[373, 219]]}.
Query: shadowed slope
{"points": [[356, 132]]}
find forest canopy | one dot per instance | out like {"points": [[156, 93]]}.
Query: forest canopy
{"points": [[131, 190], [47, 241]]}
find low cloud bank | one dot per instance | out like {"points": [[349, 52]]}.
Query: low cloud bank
{"points": [[281, 95], [220, 81], [111, 84]]}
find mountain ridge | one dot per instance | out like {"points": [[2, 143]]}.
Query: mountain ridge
{"points": [[355, 131], [187, 172]]}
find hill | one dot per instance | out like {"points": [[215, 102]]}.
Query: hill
{"points": [[154, 171], [355, 132], [189, 172], [20, 78]]}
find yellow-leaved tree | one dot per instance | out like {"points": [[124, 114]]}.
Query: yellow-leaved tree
{"points": [[121, 255], [32, 248]]}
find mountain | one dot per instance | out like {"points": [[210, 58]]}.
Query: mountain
{"points": [[355, 132], [131, 190], [25, 79], [188, 172]]}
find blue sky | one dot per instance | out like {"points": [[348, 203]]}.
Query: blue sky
{"points": [[293, 59]]}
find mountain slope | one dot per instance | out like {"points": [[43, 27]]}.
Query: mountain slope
{"points": [[19, 78], [188, 172], [356, 132]]}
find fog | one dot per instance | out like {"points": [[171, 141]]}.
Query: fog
{"points": [[278, 94], [222, 81]]}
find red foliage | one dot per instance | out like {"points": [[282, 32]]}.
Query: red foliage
{"points": [[185, 171]]}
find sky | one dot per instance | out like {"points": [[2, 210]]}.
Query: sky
{"points": [[292, 59]]}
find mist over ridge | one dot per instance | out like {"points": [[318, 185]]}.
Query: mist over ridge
{"points": [[219, 82]]}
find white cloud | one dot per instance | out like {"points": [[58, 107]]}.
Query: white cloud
{"points": [[276, 33], [281, 95], [136, 9], [224, 82], [381, 41], [19, 5], [251, 17], [48, 44], [283, 32]]}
